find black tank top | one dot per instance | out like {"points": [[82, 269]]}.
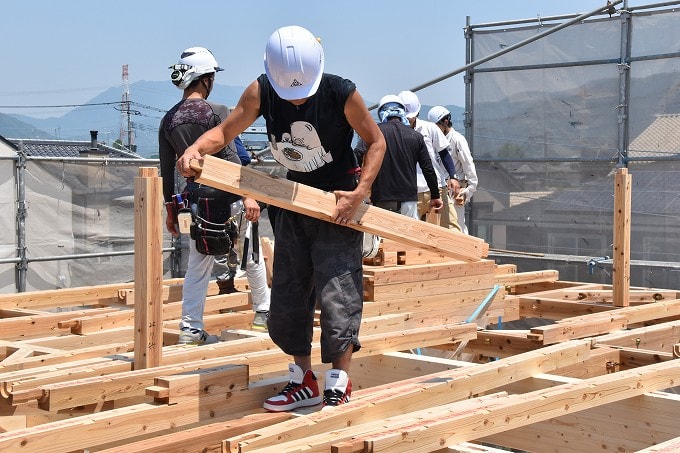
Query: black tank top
{"points": [[312, 140]]}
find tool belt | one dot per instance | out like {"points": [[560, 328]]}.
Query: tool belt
{"points": [[213, 228], [394, 206]]}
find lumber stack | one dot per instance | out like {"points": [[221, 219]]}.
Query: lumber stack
{"points": [[72, 386], [76, 371], [441, 290]]}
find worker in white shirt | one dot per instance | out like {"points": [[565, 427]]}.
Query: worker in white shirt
{"points": [[460, 151], [439, 150]]}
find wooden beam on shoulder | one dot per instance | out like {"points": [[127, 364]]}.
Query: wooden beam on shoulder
{"points": [[316, 203]]}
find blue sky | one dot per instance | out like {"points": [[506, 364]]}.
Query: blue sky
{"points": [[68, 51]]}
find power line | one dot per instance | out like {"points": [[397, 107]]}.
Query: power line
{"points": [[42, 92], [137, 104], [56, 106]]}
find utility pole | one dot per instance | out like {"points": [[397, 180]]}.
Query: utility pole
{"points": [[125, 120]]}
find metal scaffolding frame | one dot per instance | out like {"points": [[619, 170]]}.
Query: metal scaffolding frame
{"points": [[22, 261], [622, 158]]}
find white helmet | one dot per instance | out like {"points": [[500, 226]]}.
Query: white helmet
{"points": [[193, 63], [391, 106], [437, 113], [388, 98], [293, 62], [411, 102]]}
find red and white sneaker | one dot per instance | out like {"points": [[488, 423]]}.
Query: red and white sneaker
{"points": [[301, 391], [338, 388]]}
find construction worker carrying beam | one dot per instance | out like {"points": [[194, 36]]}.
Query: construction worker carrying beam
{"points": [[310, 117]]}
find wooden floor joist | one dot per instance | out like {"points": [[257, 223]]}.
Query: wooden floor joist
{"points": [[414, 394], [382, 399], [88, 390]]}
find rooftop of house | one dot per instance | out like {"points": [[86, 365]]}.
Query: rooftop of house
{"points": [[660, 137], [70, 148]]}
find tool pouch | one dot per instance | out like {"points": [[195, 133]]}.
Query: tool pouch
{"points": [[212, 228]]}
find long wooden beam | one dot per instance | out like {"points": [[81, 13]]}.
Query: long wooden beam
{"points": [[206, 438], [414, 394], [68, 297], [60, 357], [554, 309], [436, 427], [109, 427], [624, 426], [84, 324], [660, 337], [379, 275], [637, 295], [35, 326], [67, 394], [599, 323], [319, 204]]}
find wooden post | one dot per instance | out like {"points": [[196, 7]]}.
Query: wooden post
{"points": [[433, 217], [621, 260], [148, 269]]}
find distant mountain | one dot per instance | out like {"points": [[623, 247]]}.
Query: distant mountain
{"points": [[149, 102], [11, 127]]}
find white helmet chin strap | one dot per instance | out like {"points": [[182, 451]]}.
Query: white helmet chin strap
{"points": [[208, 90]]}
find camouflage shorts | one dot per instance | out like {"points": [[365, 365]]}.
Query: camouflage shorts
{"points": [[316, 264]]}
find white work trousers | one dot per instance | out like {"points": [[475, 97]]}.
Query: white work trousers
{"points": [[460, 211], [196, 279], [256, 273]]}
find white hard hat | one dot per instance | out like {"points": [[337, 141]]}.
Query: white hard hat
{"points": [[411, 102], [389, 98], [293, 62], [437, 113], [390, 106], [193, 63]]}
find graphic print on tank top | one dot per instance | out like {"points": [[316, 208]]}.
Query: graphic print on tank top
{"points": [[301, 150]]}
